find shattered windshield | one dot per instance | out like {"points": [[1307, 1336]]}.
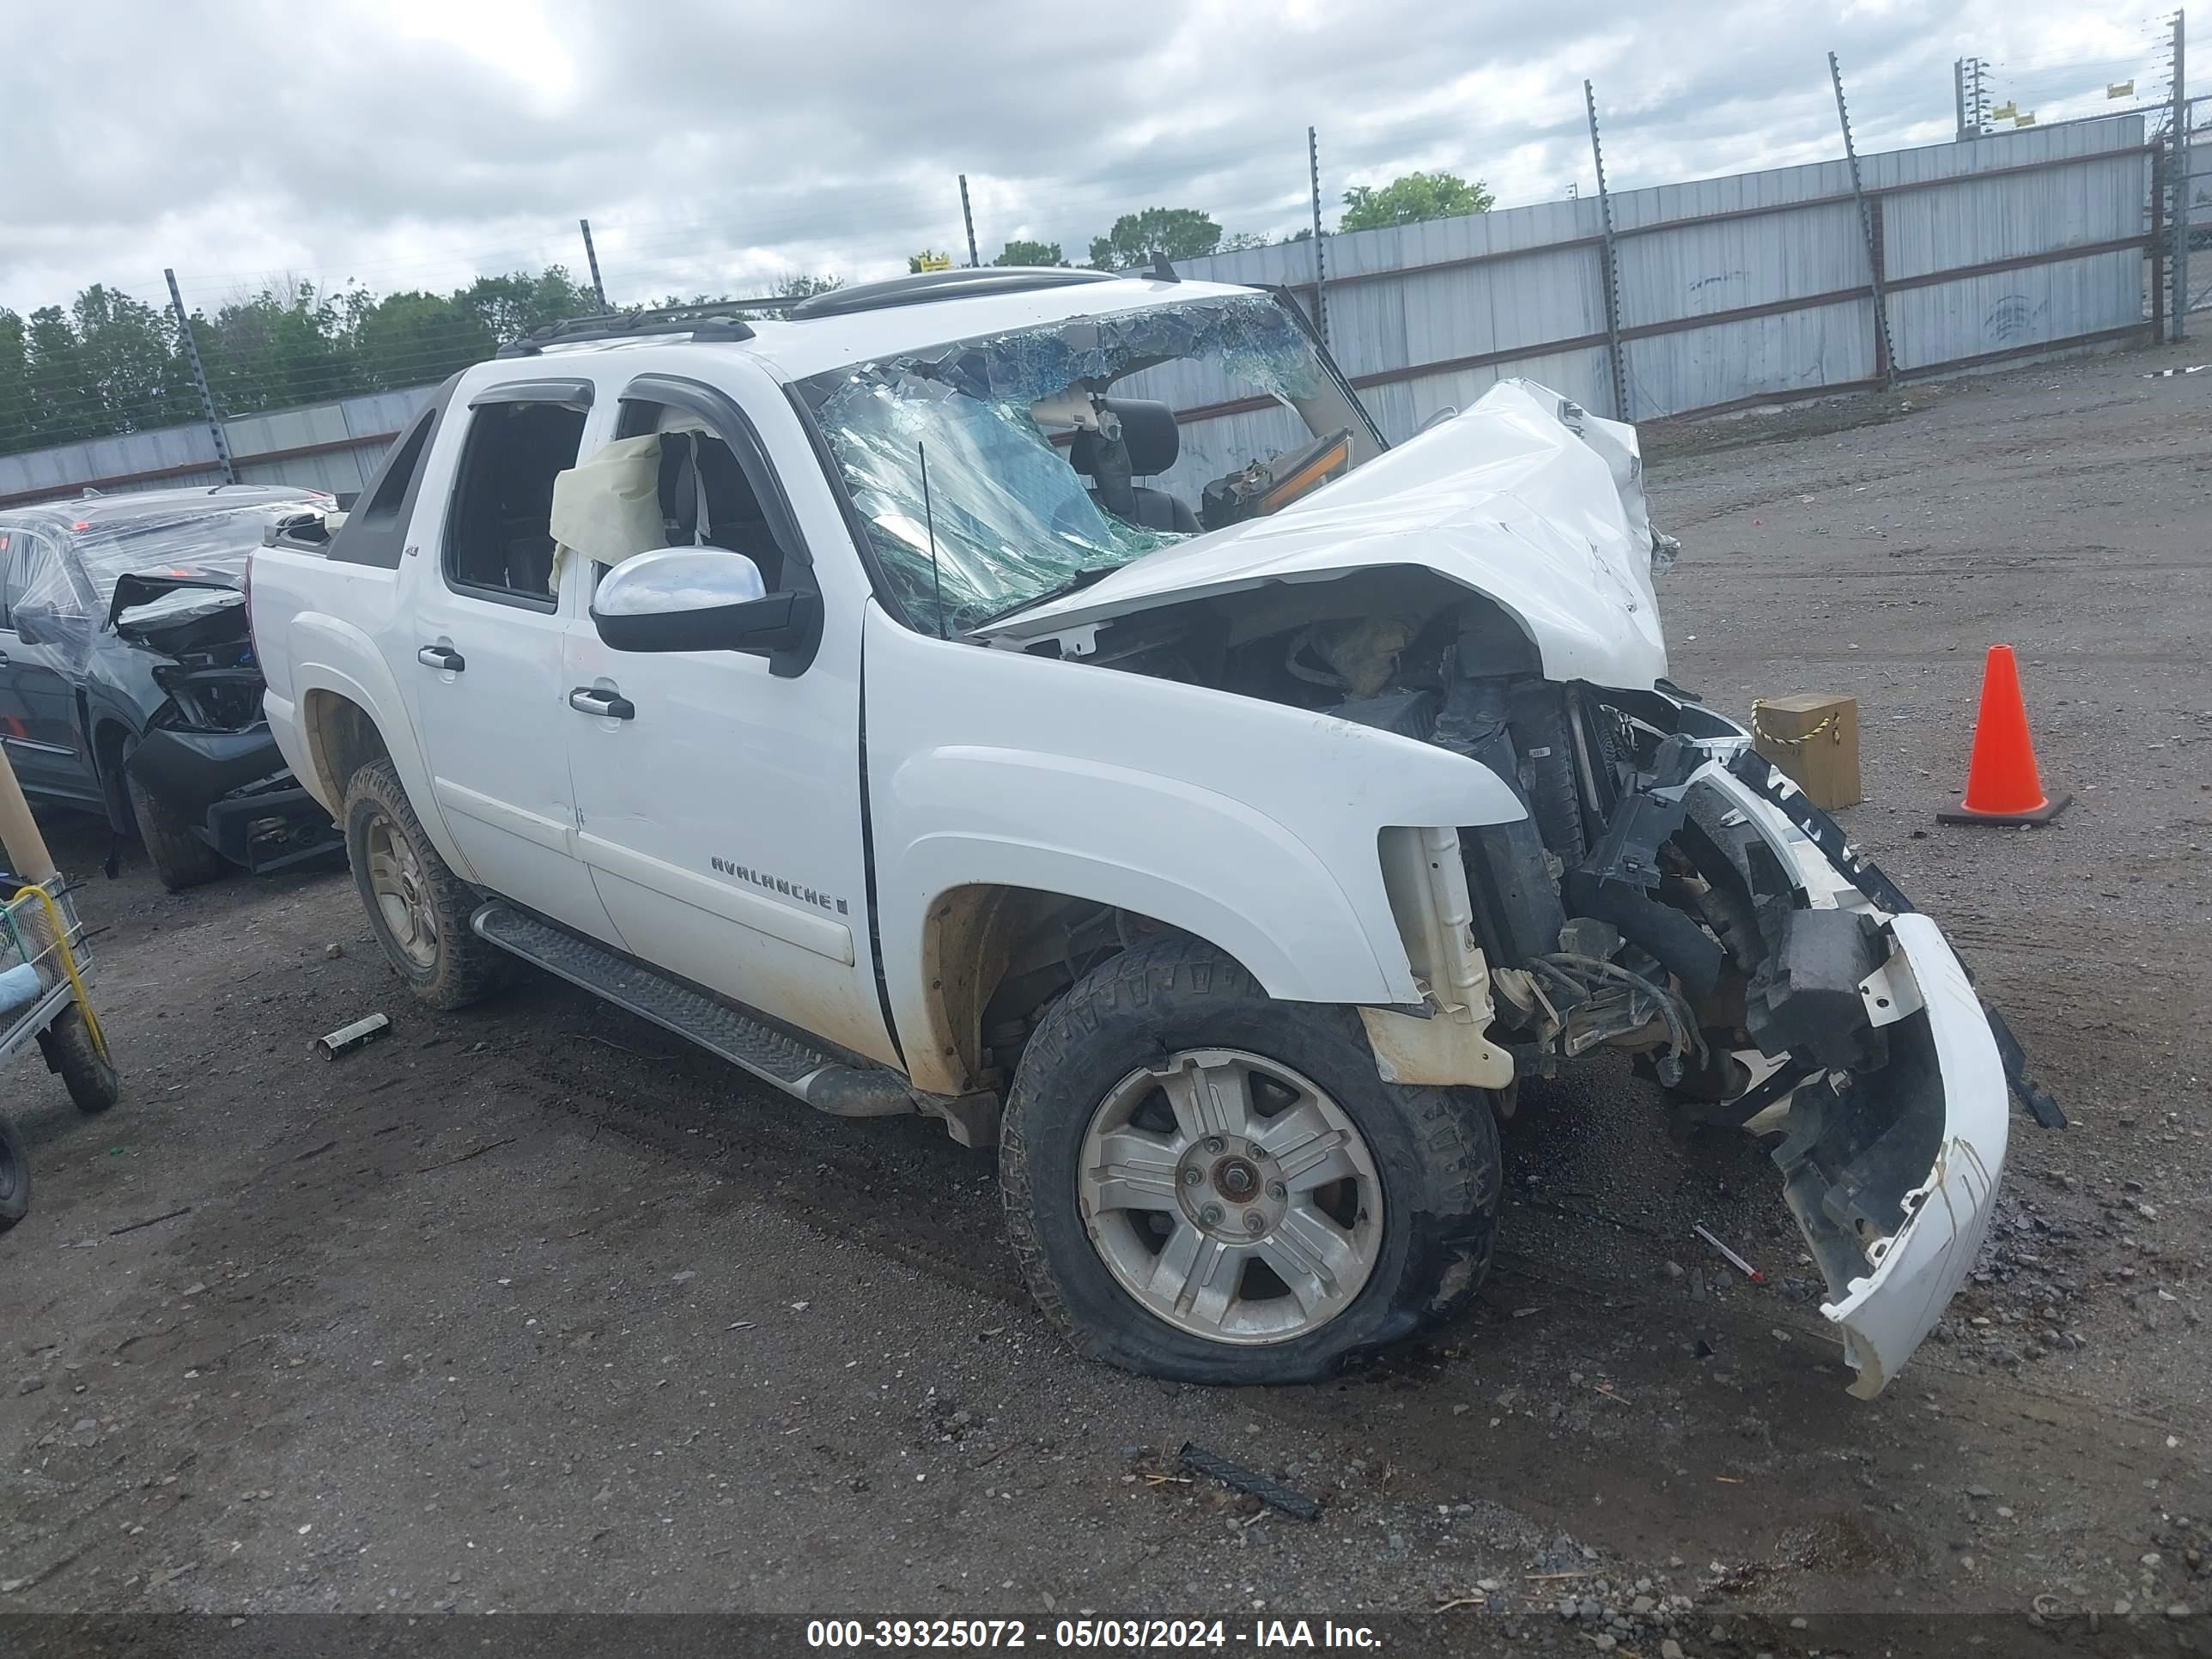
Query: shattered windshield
{"points": [[972, 507]]}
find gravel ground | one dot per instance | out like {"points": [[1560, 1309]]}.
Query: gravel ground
{"points": [[531, 1310]]}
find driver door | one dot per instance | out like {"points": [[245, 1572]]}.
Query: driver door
{"points": [[718, 793]]}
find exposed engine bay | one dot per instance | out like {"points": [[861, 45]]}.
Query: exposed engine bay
{"points": [[1645, 903], [1664, 892]]}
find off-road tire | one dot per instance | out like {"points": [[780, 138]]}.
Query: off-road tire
{"points": [[15, 1177], [1436, 1150], [180, 859], [70, 1055], [466, 969]]}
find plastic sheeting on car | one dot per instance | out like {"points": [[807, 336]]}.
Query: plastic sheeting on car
{"points": [[970, 507], [68, 592]]}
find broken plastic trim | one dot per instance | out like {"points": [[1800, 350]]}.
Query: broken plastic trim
{"points": [[1825, 833]]}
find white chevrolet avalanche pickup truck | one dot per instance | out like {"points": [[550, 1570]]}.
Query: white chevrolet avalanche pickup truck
{"points": [[1224, 847]]}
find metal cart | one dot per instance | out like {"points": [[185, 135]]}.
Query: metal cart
{"points": [[45, 970]]}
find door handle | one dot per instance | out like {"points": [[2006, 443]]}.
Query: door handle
{"points": [[593, 700], [441, 656], [3, 656]]}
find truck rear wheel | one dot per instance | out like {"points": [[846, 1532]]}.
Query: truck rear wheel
{"points": [[417, 908], [1205, 1184], [180, 859]]}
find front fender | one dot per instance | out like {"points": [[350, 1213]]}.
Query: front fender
{"points": [[1253, 825], [1159, 846]]}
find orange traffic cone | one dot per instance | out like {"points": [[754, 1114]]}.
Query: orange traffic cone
{"points": [[2003, 786]]}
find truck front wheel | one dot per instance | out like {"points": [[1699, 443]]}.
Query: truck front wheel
{"points": [[417, 908], [1205, 1184]]}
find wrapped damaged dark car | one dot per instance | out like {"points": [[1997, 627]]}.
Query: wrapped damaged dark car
{"points": [[128, 682]]}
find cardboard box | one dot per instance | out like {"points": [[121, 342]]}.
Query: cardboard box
{"points": [[1815, 738]]}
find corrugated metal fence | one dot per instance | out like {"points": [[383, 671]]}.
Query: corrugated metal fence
{"points": [[1756, 289], [1732, 292]]}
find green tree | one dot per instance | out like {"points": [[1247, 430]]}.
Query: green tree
{"points": [[128, 358], [109, 363], [15, 418], [1237, 241], [512, 305], [406, 339], [805, 285], [1020, 253], [1412, 197], [289, 344], [1136, 238]]}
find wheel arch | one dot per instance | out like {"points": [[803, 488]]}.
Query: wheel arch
{"points": [[341, 737], [972, 943], [339, 730]]}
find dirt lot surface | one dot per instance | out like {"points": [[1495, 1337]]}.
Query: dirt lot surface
{"points": [[531, 1308]]}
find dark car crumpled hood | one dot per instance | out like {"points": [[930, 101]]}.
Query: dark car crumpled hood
{"points": [[180, 609]]}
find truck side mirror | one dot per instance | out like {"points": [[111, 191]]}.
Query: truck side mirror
{"points": [[698, 599]]}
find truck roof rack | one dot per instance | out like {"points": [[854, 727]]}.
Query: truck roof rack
{"points": [[928, 285], [721, 320], [728, 319]]}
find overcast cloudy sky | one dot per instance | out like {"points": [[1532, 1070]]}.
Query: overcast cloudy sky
{"points": [[416, 142]]}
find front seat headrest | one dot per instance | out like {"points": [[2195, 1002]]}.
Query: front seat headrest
{"points": [[1148, 433]]}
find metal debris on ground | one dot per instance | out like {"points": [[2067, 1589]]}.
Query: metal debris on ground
{"points": [[1273, 1493], [1730, 1256], [346, 1038]]}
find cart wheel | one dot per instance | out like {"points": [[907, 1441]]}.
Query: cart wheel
{"points": [[15, 1177], [68, 1045]]}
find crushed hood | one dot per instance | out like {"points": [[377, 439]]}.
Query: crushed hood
{"points": [[180, 607], [1526, 498]]}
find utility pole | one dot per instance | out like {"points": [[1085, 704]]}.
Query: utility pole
{"points": [[2178, 258], [1320, 274], [592, 259], [1886, 358], [200, 380], [967, 219], [1611, 271]]}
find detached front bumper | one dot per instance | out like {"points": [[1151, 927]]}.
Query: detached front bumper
{"points": [[1886, 1314], [1895, 1114]]}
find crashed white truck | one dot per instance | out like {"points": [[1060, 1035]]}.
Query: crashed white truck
{"points": [[1225, 846]]}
